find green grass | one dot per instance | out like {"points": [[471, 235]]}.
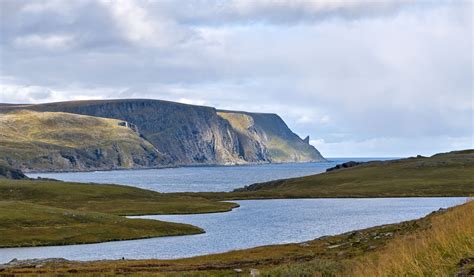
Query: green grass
{"points": [[113, 199], [449, 174], [34, 212], [26, 224]]}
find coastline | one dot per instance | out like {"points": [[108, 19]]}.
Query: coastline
{"points": [[345, 250], [170, 166]]}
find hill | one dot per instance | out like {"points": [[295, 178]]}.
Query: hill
{"points": [[62, 141], [446, 174], [195, 135]]}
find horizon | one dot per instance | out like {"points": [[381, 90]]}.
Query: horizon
{"points": [[362, 79]]}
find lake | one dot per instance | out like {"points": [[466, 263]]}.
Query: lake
{"points": [[255, 223], [186, 179]]}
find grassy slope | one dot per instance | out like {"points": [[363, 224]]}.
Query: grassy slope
{"points": [[416, 242], [26, 224], [28, 138], [449, 174], [112, 199], [44, 212]]}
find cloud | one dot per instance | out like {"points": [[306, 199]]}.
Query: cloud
{"points": [[279, 11], [344, 71], [392, 147], [138, 26], [45, 41]]}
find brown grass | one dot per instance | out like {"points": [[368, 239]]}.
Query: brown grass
{"points": [[436, 251]]}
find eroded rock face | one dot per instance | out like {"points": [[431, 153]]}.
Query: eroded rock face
{"points": [[266, 138], [189, 135], [11, 173]]}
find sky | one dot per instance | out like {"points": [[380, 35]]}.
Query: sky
{"points": [[361, 78]]}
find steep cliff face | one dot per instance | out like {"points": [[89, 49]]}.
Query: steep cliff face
{"points": [[266, 137], [193, 135], [55, 141], [186, 134]]}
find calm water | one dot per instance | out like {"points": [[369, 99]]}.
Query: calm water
{"points": [[222, 178], [255, 223]]}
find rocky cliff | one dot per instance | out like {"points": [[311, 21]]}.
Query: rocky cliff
{"points": [[195, 135], [266, 138]]}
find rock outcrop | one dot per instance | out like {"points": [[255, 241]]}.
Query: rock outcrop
{"points": [[344, 165], [7, 172], [178, 134]]}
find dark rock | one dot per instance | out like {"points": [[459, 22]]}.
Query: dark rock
{"points": [[11, 173], [344, 165], [466, 267]]}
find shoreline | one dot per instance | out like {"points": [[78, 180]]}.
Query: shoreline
{"points": [[168, 167], [467, 199], [298, 251]]}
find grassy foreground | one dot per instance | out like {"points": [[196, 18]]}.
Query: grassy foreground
{"points": [[437, 245], [34, 212]]}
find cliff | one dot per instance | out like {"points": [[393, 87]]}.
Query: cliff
{"points": [[194, 135], [266, 137]]}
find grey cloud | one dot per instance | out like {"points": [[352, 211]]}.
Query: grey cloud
{"points": [[350, 75], [207, 12]]}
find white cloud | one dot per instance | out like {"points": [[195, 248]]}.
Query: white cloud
{"points": [[192, 101], [13, 91], [52, 42], [142, 28]]}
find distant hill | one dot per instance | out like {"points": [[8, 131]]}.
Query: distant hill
{"points": [[445, 174], [168, 134]]}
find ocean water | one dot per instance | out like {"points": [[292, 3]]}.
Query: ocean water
{"points": [[197, 179], [255, 223]]}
